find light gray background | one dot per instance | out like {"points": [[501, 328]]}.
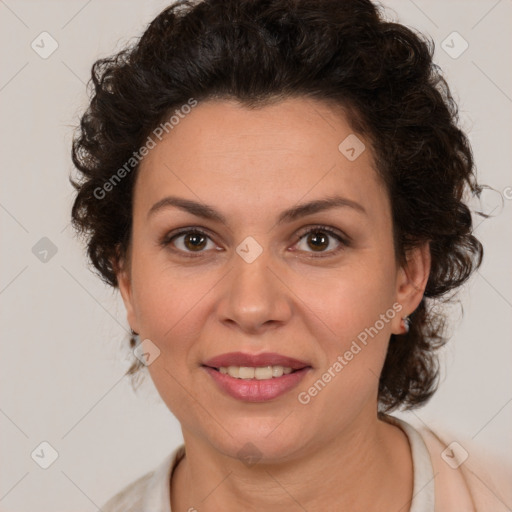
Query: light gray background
{"points": [[63, 331]]}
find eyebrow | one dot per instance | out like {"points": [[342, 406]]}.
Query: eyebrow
{"points": [[208, 212]]}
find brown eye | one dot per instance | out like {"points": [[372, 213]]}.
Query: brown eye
{"points": [[318, 240], [194, 241], [321, 240], [188, 241]]}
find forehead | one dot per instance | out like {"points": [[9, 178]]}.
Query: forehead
{"points": [[264, 157]]}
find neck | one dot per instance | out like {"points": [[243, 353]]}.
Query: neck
{"points": [[365, 468]]}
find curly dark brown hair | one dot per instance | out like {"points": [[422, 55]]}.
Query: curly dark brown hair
{"points": [[261, 51]]}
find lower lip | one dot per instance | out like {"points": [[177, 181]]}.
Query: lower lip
{"points": [[255, 390]]}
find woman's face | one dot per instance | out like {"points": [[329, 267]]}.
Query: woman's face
{"points": [[257, 282]]}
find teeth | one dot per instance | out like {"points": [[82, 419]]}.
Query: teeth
{"points": [[259, 373]]}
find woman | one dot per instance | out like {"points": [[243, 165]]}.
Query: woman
{"points": [[276, 188]]}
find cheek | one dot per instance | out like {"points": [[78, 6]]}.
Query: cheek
{"points": [[351, 317], [168, 307], [163, 293], [350, 299]]}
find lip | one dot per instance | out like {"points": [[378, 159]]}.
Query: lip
{"points": [[254, 360], [256, 390]]}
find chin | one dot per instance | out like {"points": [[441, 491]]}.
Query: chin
{"points": [[264, 440]]}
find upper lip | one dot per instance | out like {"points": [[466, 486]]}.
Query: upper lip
{"points": [[254, 360]]}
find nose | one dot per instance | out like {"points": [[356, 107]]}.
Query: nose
{"points": [[254, 298]]}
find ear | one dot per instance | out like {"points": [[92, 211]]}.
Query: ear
{"points": [[125, 287], [411, 281]]}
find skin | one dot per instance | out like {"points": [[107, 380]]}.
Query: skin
{"points": [[250, 165]]}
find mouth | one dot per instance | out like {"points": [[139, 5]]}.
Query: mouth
{"points": [[256, 378], [255, 373], [242, 360]]}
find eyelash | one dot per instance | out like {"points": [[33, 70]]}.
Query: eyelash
{"points": [[344, 240]]}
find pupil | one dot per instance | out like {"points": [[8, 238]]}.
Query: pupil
{"points": [[319, 242], [191, 241]]}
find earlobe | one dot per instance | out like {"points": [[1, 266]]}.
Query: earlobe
{"points": [[412, 280]]}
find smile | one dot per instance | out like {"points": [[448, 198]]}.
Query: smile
{"points": [[259, 387], [258, 373]]}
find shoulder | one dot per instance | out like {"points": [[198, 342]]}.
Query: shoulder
{"points": [[464, 473], [150, 492], [130, 497]]}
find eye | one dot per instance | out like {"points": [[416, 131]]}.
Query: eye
{"points": [[188, 241], [320, 238]]}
